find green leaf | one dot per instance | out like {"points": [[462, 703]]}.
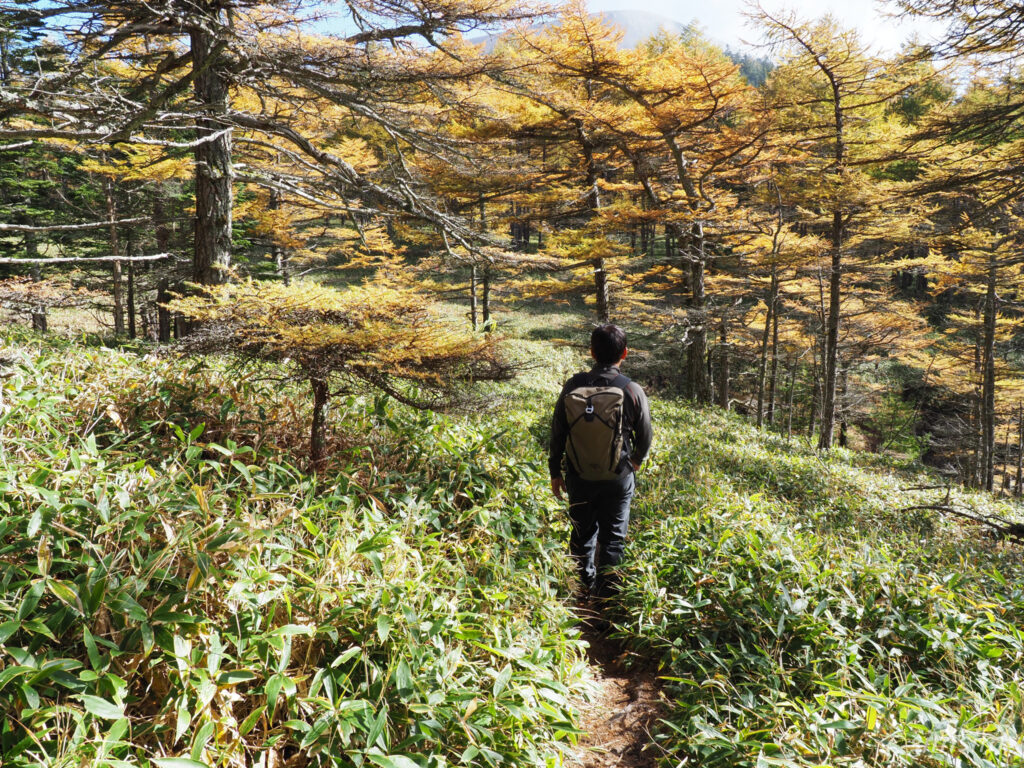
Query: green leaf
{"points": [[182, 720], [177, 762], [379, 723], [201, 739], [392, 761], [31, 599], [289, 630], [502, 680], [273, 689], [383, 626], [34, 524], [30, 695], [65, 594], [250, 722], [107, 710], [235, 677], [7, 629], [90, 648], [403, 680]]}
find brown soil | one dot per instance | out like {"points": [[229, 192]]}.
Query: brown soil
{"points": [[621, 712]]}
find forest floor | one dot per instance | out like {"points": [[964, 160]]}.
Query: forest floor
{"points": [[624, 705]]}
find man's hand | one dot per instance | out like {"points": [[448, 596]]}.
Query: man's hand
{"points": [[636, 465], [558, 487]]}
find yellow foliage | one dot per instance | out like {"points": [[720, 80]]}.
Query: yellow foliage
{"points": [[373, 332]]}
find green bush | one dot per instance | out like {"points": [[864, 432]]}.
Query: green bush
{"points": [[177, 593], [800, 620]]}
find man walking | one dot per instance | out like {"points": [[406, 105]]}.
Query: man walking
{"points": [[602, 427]]}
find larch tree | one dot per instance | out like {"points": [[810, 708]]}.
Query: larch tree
{"points": [[831, 97], [676, 113], [191, 58]]}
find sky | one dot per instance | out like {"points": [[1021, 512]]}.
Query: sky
{"points": [[723, 22]]}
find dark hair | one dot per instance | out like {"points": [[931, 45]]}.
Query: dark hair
{"points": [[608, 342]]}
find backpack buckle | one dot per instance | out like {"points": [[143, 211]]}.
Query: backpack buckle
{"points": [[589, 410]]}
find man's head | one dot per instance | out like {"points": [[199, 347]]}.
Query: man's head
{"points": [[608, 344]]}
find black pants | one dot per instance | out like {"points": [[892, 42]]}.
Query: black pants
{"points": [[599, 512]]}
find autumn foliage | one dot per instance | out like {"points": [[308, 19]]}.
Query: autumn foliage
{"points": [[364, 338]]}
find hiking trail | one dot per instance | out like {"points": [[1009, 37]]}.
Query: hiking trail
{"points": [[619, 718]]}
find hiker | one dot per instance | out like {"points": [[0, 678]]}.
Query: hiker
{"points": [[602, 426]]}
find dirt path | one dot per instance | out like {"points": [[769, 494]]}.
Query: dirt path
{"points": [[620, 718]]}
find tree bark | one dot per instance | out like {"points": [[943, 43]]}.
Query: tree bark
{"points": [[277, 253], [163, 315], [989, 380], [723, 364], [835, 283], [762, 370], [39, 321], [132, 328], [601, 290], [593, 202], [318, 430], [789, 403], [773, 378], [472, 296], [1017, 490], [213, 224], [843, 436], [486, 300], [700, 384], [828, 405], [972, 474]]}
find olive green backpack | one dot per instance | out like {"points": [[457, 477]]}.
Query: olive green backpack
{"points": [[595, 415]]}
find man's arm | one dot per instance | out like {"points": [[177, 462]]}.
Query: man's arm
{"points": [[559, 433], [642, 432]]}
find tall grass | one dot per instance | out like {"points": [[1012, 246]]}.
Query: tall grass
{"points": [[802, 619], [177, 592]]}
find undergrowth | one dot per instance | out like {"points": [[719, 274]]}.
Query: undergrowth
{"points": [[176, 591], [803, 617]]}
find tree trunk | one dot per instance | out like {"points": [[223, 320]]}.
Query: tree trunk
{"points": [[789, 403], [486, 300], [132, 330], [815, 390], [843, 437], [39, 321], [835, 282], [277, 253], [989, 381], [601, 290], [162, 313], [700, 384], [163, 234], [975, 473], [762, 370], [773, 378], [1006, 460], [318, 430], [828, 402], [213, 226], [118, 284], [723, 364], [472, 296], [593, 202], [1017, 490]]}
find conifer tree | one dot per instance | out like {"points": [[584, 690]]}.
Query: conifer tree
{"points": [[831, 95]]}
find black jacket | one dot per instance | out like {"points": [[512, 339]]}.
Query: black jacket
{"points": [[636, 414]]}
